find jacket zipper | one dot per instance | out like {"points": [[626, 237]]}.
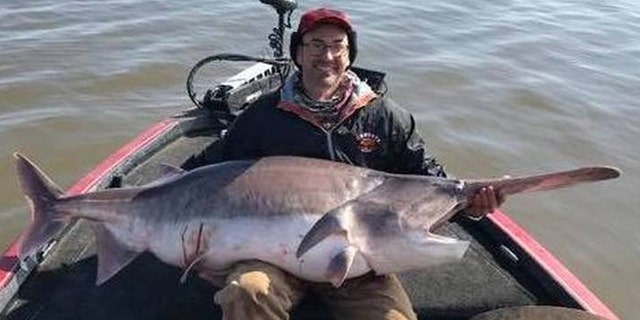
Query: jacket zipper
{"points": [[329, 133], [332, 153]]}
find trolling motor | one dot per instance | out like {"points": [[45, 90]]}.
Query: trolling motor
{"points": [[283, 7]]}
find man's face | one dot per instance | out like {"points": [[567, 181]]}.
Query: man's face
{"points": [[324, 55]]}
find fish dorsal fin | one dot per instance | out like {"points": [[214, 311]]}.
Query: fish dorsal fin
{"points": [[340, 265], [112, 257], [168, 171]]}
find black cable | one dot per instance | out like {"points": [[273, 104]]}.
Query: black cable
{"points": [[282, 67]]}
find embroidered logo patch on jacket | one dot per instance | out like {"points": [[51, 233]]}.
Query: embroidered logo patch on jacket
{"points": [[367, 142]]}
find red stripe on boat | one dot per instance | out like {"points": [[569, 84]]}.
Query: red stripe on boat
{"points": [[9, 262], [587, 299]]}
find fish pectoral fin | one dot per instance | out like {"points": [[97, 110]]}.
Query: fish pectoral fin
{"points": [[111, 256], [188, 269], [339, 266], [329, 224]]}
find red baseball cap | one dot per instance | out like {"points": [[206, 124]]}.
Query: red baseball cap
{"points": [[312, 18]]}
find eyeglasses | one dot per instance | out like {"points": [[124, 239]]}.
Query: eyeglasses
{"points": [[317, 48]]}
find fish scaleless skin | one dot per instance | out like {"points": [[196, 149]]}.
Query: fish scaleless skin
{"points": [[319, 220]]}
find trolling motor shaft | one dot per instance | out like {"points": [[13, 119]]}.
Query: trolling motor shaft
{"points": [[276, 39]]}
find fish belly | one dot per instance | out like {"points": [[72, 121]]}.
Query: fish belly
{"points": [[225, 242]]}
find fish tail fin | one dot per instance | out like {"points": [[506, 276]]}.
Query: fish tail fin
{"points": [[549, 181], [42, 194]]}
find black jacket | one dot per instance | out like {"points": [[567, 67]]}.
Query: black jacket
{"points": [[379, 135]]}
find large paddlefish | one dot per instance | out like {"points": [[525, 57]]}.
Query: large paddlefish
{"points": [[319, 220]]}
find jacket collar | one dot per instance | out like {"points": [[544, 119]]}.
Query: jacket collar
{"points": [[361, 94]]}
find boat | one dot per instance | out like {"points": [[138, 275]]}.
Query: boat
{"points": [[505, 268]]}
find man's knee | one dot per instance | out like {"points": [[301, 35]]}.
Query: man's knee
{"points": [[253, 284], [249, 297], [257, 291]]}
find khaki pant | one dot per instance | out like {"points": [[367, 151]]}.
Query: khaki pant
{"points": [[256, 290]]}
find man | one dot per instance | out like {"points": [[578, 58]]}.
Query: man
{"points": [[325, 111]]}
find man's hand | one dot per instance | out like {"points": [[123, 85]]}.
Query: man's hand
{"points": [[485, 201]]}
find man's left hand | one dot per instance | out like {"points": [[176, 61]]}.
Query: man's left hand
{"points": [[485, 201]]}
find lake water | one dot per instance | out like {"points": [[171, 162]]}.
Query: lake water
{"points": [[499, 87]]}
